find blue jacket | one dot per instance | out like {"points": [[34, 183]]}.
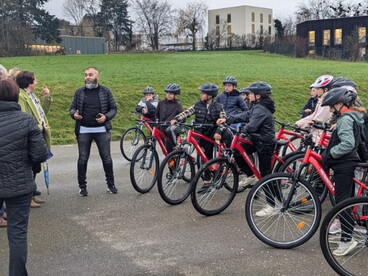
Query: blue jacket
{"points": [[232, 102]]}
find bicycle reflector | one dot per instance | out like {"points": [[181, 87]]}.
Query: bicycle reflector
{"points": [[301, 224]]}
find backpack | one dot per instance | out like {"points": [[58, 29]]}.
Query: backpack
{"points": [[363, 144]]}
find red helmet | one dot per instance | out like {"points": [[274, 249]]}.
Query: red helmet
{"points": [[322, 81]]}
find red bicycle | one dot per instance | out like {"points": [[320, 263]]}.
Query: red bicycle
{"points": [[178, 168]]}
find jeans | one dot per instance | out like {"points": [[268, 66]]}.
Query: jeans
{"points": [[103, 141], [17, 209]]}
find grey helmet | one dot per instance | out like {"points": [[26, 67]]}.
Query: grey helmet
{"points": [[244, 90], [173, 88], [230, 79], [260, 88], [341, 81], [149, 90], [339, 95], [209, 89]]}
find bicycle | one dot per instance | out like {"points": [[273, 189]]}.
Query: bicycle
{"points": [[353, 263], [173, 177], [134, 137], [145, 161], [289, 198], [217, 172], [292, 144]]}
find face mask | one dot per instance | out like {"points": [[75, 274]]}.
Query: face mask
{"points": [[90, 85]]}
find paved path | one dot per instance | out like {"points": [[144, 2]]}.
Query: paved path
{"points": [[134, 234]]}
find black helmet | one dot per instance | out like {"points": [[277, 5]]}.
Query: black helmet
{"points": [[339, 95], [149, 90], [231, 80], [244, 90], [341, 81], [261, 88], [209, 89], [173, 88]]}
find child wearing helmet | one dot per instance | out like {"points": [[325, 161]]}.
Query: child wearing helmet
{"points": [[321, 114], [342, 155], [310, 106], [244, 93], [260, 128], [230, 98], [148, 104], [167, 109]]}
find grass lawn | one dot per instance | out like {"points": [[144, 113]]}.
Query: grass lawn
{"points": [[128, 74]]}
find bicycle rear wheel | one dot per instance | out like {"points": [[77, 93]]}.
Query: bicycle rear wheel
{"points": [[278, 226], [214, 187], [354, 262], [130, 141], [144, 168], [174, 176]]}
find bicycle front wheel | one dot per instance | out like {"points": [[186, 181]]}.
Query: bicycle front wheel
{"points": [[275, 224], [175, 173], [214, 186], [144, 168], [350, 214], [130, 141]]}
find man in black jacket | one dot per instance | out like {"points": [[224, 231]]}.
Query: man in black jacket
{"points": [[93, 108]]}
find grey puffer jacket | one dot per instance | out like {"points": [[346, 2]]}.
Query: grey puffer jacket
{"points": [[21, 143]]}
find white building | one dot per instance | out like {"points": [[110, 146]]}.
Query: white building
{"points": [[243, 22]]}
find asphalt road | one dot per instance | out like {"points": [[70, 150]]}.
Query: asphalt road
{"points": [[134, 234]]}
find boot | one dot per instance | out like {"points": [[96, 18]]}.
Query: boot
{"points": [[38, 199], [34, 204]]}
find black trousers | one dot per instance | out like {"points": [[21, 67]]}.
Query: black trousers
{"points": [[103, 141], [17, 209], [36, 168]]}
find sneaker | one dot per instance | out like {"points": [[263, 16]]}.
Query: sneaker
{"points": [[205, 187], [112, 189], [266, 211], [345, 247], [335, 227], [248, 180], [83, 192], [360, 229], [3, 223], [34, 204]]}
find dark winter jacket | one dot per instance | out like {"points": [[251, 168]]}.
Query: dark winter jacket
{"points": [[21, 143], [260, 122], [167, 110], [311, 104], [150, 105], [107, 106], [232, 102]]}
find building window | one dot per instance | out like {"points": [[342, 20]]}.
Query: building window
{"points": [[362, 34], [269, 19], [338, 36], [261, 17], [269, 30], [229, 18], [253, 29], [253, 17], [217, 19], [217, 30], [326, 37], [261, 30], [362, 52], [229, 29], [311, 52], [312, 38]]}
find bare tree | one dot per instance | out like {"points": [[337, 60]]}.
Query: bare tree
{"points": [[352, 44], [191, 20], [154, 19]]}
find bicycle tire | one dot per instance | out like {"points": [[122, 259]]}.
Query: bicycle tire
{"points": [[351, 264], [173, 187], [299, 146], [203, 197], [297, 223], [143, 175], [310, 174], [137, 140]]}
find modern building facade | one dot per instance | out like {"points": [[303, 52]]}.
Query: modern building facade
{"points": [[329, 36], [245, 21]]}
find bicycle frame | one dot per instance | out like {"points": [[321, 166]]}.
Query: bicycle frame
{"points": [[159, 136], [281, 134]]}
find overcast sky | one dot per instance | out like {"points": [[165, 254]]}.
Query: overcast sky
{"points": [[281, 8]]}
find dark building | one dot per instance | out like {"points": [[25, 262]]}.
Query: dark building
{"points": [[327, 37]]}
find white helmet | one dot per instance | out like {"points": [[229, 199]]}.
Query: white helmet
{"points": [[322, 81]]}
